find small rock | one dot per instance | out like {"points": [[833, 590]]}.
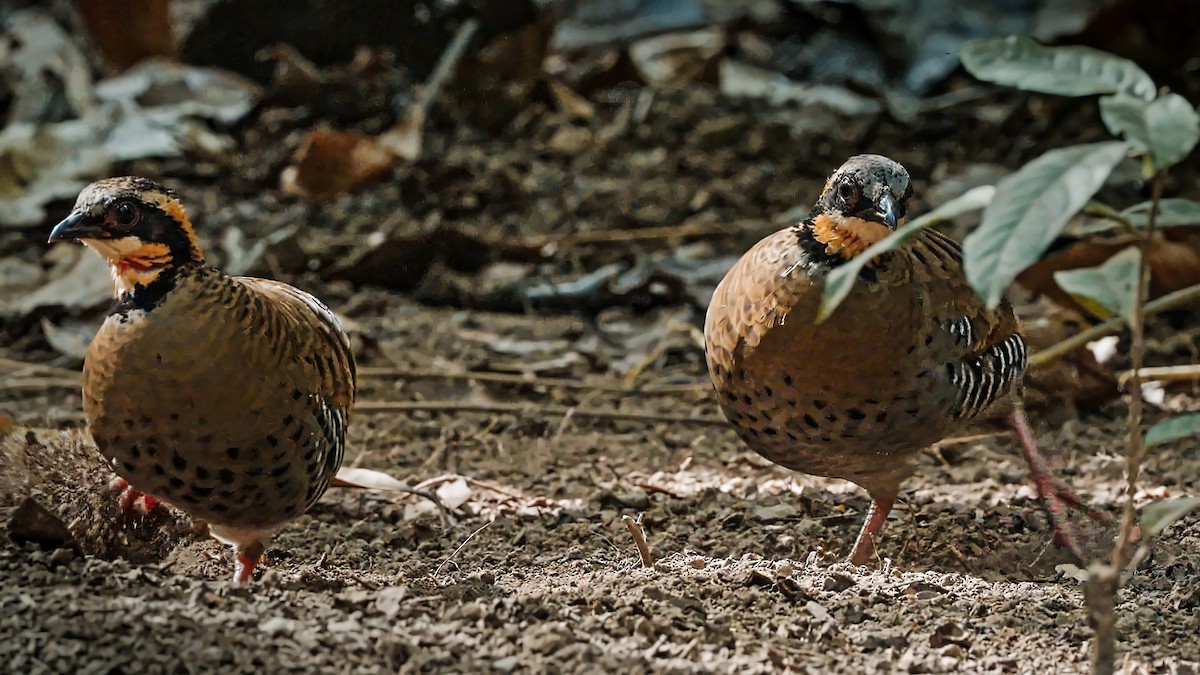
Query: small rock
{"points": [[853, 614], [61, 556], [31, 522], [817, 611], [949, 634], [774, 512], [277, 626], [506, 664], [924, 590], [570, 140], [838, 582]]}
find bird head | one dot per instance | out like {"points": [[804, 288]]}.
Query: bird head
{"points": [[863, 201], [135, 224]]}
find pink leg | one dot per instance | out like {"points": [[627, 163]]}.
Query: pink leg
{"points": [[864, 546], [247, 559], [132, 499], [1057, 497]]}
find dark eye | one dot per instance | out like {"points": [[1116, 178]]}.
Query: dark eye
{"points": [[126, 214], [848, 193]]}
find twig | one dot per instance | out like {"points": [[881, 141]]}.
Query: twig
{"points": [[638, 234], [14, 366], [460, 547], [40, 383], [513, 378], [405, 140], [639, 539], [417, 491], [70, 379], [1163, 374], [1174, 300], [526, 409], [448, 477]]}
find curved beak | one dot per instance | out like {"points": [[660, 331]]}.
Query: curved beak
{"points": [[75, 227], [888, 210]]}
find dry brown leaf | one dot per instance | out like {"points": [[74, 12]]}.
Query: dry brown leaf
{"points": [[677, 58], [127, 31], [1056, 391], [1174, 263], [331, 163], [569, 102]]}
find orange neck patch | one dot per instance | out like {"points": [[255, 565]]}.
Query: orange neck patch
{"points": [[846, 236], [132, 261]]}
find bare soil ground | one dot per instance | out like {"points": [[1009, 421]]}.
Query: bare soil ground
{"points": [[536, 572]]}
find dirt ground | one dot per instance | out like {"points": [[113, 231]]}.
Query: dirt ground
{"points": [[536, 571]]}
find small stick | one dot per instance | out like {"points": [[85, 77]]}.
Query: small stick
{"points": [[1179, 298], [13, 365], [525, 409], [514, 378], [406, 139], [639, 539], [1163, 374], [417, 492], [460, 547], [638, 234], [451, 477]]}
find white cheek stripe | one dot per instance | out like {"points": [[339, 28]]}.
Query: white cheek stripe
{"points": [[112, 249]]}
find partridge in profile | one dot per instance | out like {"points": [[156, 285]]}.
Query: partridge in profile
{"points": [[910, 357], [225, 396]]}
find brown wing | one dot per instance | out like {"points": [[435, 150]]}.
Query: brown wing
{"points": [[304, 331], [985, 350], [314, 334]]}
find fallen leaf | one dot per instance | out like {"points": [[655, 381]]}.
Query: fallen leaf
{"points": [[678, 58], [40, 62], [72, 339], [1174, 260], [86, 284], [127, 31], [331, 163], [368, 479]]}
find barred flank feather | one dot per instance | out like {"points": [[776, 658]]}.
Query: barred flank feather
{"points": [[988, 378]]}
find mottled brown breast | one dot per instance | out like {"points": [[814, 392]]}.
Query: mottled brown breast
{"points": [[857, 395], [229, 399]]}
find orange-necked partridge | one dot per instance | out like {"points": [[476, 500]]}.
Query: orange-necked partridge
{"points": [[227, 397], [910, 357]]}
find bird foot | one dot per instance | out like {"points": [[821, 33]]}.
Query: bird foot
{"points": [[133, 500], [864, 546], [246, 560], [1058, 498]]}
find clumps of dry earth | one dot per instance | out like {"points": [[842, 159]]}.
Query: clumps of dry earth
{"points": [[537, 573]]}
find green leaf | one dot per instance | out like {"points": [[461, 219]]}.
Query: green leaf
{"points": [[1167, 128], [1108, 289], [1171, 213], [841, 279], [1172, 429], [1018, 61], [1031, 207], [1159, 515]]}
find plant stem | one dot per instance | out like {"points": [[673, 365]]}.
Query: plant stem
{"points": [[1137, 353], [1104, 581]]}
